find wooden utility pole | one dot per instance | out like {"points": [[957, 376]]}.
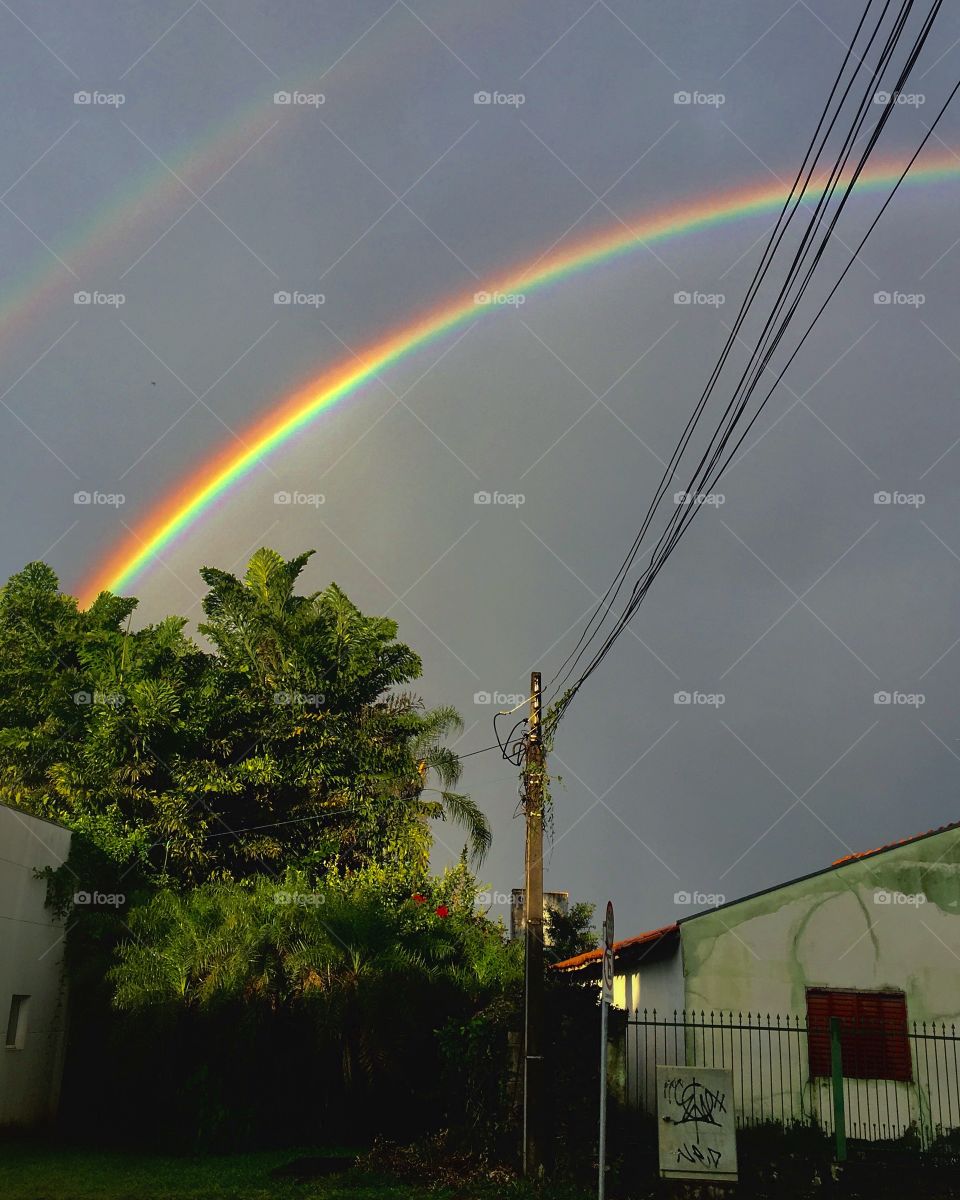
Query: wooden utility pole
{"points": [[533, 796]]}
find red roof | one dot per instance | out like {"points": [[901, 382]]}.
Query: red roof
{"points": [[651, 936], [655, 936], [893, 845]]}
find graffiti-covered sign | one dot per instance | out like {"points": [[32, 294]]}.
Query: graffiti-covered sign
{"points": [[695, 1119]]}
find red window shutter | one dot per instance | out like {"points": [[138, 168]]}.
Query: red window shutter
{"points": [[818, 1032], [874, 1042]]}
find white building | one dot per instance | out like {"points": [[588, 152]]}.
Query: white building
{"points": [[32, 987], [873, 940]]}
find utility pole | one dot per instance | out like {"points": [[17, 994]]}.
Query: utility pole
{"points": [[533, 794]]}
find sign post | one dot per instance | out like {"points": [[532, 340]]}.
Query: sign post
{"points": [[606, 1000]]}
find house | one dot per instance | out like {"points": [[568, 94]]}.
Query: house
{"points": [[873, 939], [32, 988]]}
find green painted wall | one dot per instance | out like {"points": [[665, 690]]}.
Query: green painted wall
{"points": [[834, 930]]}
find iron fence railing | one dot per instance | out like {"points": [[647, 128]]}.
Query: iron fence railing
{"points": [[913, 1098]]}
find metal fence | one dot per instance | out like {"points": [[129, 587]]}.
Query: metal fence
{"points": [[777, 1067]]}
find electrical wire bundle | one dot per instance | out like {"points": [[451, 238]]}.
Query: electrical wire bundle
{"points": [[846, 111]]}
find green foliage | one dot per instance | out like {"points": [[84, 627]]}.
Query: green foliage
{"points": [[570, 933], [292, 743], [336, 988]]}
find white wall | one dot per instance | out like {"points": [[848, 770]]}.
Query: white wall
{"points": [[31, 964], [888, 922], [654, 987]]}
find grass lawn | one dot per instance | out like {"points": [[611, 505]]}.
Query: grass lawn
{"points": [[35, 1171]]}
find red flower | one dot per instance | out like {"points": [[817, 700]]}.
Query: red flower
{"points": [[418, 898], [442, 910]]}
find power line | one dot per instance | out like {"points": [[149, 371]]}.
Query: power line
{"points": [[707, 473], [773, 243]]}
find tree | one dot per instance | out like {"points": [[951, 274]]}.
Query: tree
{"points": [[570, 933], [290, 744]]}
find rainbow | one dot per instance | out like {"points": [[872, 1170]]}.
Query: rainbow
{"points": [[177, 512], [201, 164]]}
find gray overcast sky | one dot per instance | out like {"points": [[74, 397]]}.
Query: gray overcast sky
{"points": [[796, 599]]}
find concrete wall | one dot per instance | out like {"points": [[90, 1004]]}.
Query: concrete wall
{"points": [[31, 964], [654, 987], [887, 922], [657, 985]]}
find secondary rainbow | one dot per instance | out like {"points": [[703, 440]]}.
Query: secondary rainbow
{"points": [[149, 196], [180, 510]]}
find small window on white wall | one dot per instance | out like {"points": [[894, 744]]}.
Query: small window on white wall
{"points": [[17, 1022]]}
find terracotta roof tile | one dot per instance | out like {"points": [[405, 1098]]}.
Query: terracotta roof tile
{"points": [[582, 960], [837, 862]]}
